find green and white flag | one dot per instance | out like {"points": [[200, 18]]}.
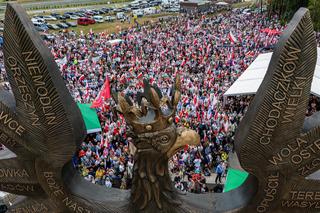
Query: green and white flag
{"points": [[90, 118]]}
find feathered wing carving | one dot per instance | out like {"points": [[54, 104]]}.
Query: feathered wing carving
{"points": [[269, 141], [43, 103], [43, 127]]}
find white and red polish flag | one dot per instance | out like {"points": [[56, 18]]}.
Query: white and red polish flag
{"points": [[232, 38]]}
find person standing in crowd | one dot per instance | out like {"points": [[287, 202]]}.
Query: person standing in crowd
{"points": [[219, 172]]}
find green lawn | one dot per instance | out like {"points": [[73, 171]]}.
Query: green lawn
{"points": [[242, 4]]}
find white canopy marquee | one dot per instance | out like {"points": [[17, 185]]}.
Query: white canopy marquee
{"points": [[248, 83]]}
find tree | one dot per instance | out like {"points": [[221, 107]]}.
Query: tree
{"points": [[287, 8], [314, 7]]}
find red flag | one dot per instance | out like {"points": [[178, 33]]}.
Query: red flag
{"points": [[97, 102], [103, 95], [105, 90], [195, 100]]}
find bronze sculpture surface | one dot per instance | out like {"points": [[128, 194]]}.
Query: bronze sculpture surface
{"points": [[43, 126]]}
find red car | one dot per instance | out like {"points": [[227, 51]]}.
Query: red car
{"points": [[86, 21]]}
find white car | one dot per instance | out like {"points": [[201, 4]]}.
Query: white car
{"points": [[109, 18], [38, 20], [49, 18], [150, 10], [120, 15], [138, 13], [74, 17], [98, 19]]}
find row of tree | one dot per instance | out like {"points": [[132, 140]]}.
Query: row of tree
{"points": [[286, 9]]}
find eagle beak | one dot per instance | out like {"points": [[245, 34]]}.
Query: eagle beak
{"points": [[185, 137]]}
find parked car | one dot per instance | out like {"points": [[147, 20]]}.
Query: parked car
{"points": [[47, 37], [74, 17], [98, 12], [173, 9], [105, 10], [150, 10], [63, 25], [127, 9], [53, 26], [40, 29], [61, 17], [86, 21], [41, 25], [138, 13], [109, 18], [80, 14], [120, 15], [38, 20], [49, 18], [71, 24], [98, 19], [67, 15]]}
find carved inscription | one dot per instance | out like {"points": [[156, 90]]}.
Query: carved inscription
{"points": [[24, 90], [11, 123], [40, 87], [270, 192], [16, 187], [58, 191], [309, 167], [298, 153], [12, 172], [302, 199], [284, 81], [38, 207]]}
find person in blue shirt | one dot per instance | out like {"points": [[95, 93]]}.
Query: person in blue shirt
{"points": [[219, 172]]}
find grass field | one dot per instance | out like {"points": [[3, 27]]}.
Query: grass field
{"points": [[116, 26], [242, 4]]}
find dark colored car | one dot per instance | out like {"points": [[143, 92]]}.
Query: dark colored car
{"points": [[55, 14], [40, 29], [63, 25], [67, 15]]}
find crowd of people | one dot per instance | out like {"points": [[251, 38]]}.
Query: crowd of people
{"points": [[209, 52]]}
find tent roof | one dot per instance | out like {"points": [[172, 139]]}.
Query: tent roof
{"points": [[248, 83]]}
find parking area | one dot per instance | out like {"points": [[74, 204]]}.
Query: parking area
{"points": [[109, 19]]}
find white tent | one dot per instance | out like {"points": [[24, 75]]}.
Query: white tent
{"points": [[249, 82], [222, 3]]}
